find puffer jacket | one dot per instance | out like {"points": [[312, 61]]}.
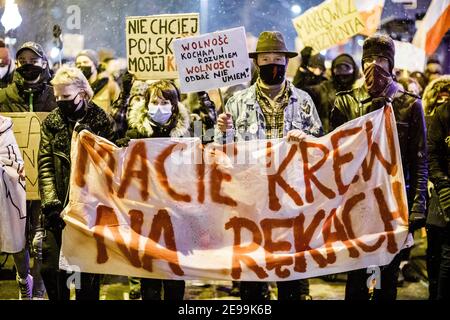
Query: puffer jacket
{"points": [[411, 134], [140, 125], [439, 147], [54, 153], [15, 98], [249, 122]]}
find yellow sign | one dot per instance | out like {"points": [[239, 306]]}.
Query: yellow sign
{"points": [[27, 130], [150, 43], [331, 23]]}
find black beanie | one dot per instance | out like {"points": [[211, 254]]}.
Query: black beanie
{"points": [[379, 45]]}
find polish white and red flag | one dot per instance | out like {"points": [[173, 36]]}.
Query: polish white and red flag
{"points": [[434, 26]]}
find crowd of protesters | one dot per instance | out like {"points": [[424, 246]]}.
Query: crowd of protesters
{"points": [[83, 95]]}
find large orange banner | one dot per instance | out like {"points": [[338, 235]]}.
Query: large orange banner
{"points": [[268, 210]]}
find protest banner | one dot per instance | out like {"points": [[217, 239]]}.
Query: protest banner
{"points": [[409, 57], [335, 21], [27, 130], [212, 60], [150, 43], [263, 210]]}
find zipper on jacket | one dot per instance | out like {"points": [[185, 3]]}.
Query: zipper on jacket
{"points": [[62, 155]]}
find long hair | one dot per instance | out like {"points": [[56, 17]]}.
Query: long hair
{"points": [[163, 89]]}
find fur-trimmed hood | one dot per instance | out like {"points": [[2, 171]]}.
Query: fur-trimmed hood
{"points": [[432, 91], [139, 120]]}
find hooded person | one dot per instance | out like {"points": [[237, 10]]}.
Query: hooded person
{"points": [[270, 108], [106, 90], [344, 73], [380, 90], [311, 71]]}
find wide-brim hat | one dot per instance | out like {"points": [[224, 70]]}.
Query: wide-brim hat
{"points": [[271, 41]]}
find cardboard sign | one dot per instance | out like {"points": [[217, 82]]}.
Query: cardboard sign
{"points": [[261, 210], [335, 21], [409, 57], [150, 43], [212, 60], [27, 130]]}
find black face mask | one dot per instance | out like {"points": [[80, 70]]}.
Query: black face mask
{"points": [[272, 74], [70, 109], [30, 72], [377, 79], [87, 71], [344, 81]]}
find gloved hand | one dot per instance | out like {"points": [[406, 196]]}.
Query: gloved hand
{"points": [[127, 83], [53, 220], [416, 221], [81, 126], [36, 245], [306, 55], [123, 142]]}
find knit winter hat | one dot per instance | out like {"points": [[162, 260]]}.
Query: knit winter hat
{"points": [[91, 54], [379, 45]]}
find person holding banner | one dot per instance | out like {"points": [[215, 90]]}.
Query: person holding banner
{"points": [[13, 207], [271, 108], [159, 115], [75, 111], [381, 90]]}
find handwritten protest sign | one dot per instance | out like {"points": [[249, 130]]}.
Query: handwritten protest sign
{"points": [[264, 210], [335, 21], [27, 130], [150, 43], [212, 60]]}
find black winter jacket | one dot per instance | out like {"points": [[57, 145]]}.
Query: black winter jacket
{"points": [[54, 153], [411, 134]]}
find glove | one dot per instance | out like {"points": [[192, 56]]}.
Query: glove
{"points": [[416, 221], [53, 221], [306, 55], [36, 245], [81, 126], [123, 142], [127, 83]]}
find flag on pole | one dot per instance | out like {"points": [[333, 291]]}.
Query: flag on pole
{"points": [[434, 26]]}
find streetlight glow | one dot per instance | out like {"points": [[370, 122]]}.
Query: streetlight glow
{"points": [[296, 9], [11, 18]]}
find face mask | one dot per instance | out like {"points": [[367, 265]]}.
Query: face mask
{"points": [[3, 71], [87, 71], [30, 72], [160, 113], [344, 81], [272, 74], [377, 79], [71, 109]]}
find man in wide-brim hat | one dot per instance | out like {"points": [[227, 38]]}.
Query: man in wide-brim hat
{"points": [[271, 108]]}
